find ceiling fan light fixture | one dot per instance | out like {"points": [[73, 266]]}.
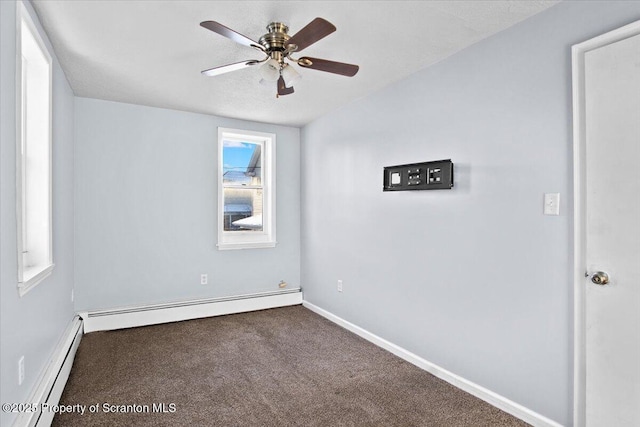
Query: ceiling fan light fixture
{"points": [[290, 75], [278, 46], [270, 71]]}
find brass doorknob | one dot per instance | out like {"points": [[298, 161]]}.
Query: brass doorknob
{"points": [[600, 278]]}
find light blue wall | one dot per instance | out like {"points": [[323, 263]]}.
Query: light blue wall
{"points": [[146, 208], [474, 279], [32, 325]]}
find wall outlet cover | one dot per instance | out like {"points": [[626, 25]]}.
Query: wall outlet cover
{"points": [[552, 204]]}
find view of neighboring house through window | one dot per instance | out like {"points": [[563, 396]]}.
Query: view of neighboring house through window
{"points": [[242, 182], [245, 203], [33, 154]]}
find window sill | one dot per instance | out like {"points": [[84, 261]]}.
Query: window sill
{"points": [[245, 245], [34, 280]]}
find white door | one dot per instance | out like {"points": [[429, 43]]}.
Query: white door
{"points": [[612, 225]]}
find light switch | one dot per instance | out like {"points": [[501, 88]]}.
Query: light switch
{"points": [[552, 204]]}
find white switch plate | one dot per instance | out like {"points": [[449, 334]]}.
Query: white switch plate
{"points": [[339, 285], [204, 279], [552, 204]]}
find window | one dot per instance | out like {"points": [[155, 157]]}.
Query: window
{"points": [[33, 154], [246, 189]]}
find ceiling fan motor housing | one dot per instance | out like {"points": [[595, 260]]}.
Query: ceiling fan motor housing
{"points": [[276, 39]]}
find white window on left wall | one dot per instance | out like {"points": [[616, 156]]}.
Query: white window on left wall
{"points": [[33, 154]]}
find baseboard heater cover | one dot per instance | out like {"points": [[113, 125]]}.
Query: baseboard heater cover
{"points": [[48, 389], [153, 314]]}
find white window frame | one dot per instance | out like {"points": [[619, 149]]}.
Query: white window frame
{"points": [[250, 239], [29, 277]]}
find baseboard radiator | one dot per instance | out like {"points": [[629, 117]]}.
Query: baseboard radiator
{"points": [[48, 390], [129, 317]]}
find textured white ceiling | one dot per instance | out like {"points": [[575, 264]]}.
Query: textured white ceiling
{"points": [[151, 52]]}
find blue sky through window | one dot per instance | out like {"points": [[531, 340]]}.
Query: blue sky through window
{"points": [[236, 156]]}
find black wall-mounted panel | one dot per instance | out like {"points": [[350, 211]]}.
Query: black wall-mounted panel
{"points": [[436, 175]]}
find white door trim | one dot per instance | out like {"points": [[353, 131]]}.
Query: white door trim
{"points": [[578, 52]]}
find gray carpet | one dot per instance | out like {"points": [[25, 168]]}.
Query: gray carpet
{"points": [[280, 367]]}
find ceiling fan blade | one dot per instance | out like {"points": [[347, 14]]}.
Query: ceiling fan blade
{"points": [[217, 27], [314, 31], [341, 68], [228, 68], [282, 88]]}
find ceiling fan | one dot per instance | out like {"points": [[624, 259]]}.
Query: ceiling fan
{"points": [[278, 46]]}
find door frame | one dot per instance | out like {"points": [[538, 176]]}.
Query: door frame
{"points": [[578, 52]]}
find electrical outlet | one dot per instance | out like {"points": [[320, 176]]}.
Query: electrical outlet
{"points": [[21, 370], [339, 285], [204, 279]]}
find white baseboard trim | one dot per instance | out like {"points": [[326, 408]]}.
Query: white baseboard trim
{"points": [[478, 391], [129, 317], [51, 384]]}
